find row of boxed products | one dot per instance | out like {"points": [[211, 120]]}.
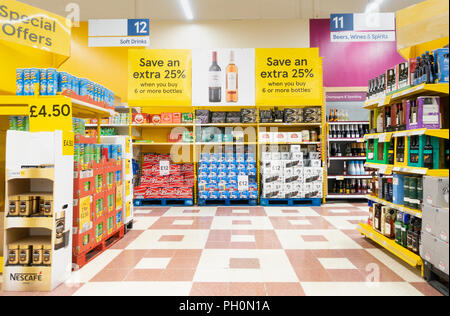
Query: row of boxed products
{"points": [[289, 137], [208, 117], [231, 155], [163, 118], [49, 81], [291, 115], [118, 119], [288, 174], [218, 135], [86, 154], [95, 232], [423, 112], [185, 137], [230, 194], [419, 151], [428, 68], [293, 190], [19, 123], [31, 251], [104, 131], [30, 206], [401, 227], [145, 192]]}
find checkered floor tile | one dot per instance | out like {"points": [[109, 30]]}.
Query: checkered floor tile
{"points": [[245, 251]]}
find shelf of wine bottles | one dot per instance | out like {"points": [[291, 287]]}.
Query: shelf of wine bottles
{"points": [[349, 188], [348, 131]]}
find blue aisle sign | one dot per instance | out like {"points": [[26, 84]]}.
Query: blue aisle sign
{"points": [[362, 27], [119, 33]]}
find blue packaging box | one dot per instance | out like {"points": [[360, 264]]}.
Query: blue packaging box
{"points": [[203, 195], [243, 165], [441, 65], [223, 172], [214, 195], [251, 157], [398, 189], [224, 195], [224, 164], [232, 180], [244, 195], [204, 157], [222, 180], [234, 195], [43, 82], [240, 157], [242, 172], [253, 195], [19, 82], [252, 172], [204, 172], [233, 172], [213, 172], [233, 165], [52, 81]]}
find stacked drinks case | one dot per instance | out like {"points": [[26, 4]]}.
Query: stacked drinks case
{"points": [[98, 199]]}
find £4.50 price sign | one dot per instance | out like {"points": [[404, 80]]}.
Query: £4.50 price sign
{"points": [[289, 76], [50, 114]]}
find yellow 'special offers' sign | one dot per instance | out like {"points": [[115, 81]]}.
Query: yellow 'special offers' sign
{"points": [[26, 25], [288, 76], [159, 77]]}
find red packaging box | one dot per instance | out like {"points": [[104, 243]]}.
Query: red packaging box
{"points": [[159, 182], [153, 193], [147, 180], [151, 158], [169, 193], [184, 193], [185, 168], [83, 242], [163, 157], [176, 180], [175, 169], [176, 118], [140, 118], [188, 183], [166, 118], [174, 137]]}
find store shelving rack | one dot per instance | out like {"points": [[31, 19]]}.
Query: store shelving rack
{"points": [[331, 159], [11, 105], [412, 40], [162, 146]]}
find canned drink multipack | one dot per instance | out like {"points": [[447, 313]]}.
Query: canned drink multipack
{"points": [[52, 81], [34, 81], [19, 82], [63, 81], [43, 82]]}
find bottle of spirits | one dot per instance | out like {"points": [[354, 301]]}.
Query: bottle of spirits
{"points": [[215, 80], [391, 151], [398, 227], [344, 171], [389, 228], [428, 154], [405, 227], [400, 149], [377, 218], [330, 118], [232, 84]]}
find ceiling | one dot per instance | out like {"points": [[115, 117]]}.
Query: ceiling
{"points": [[214, 9]]}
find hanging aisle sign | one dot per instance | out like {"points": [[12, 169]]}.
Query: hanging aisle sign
{"points": [[363, 27], [30, 26], [119, 33], [159, 77], [289, 76]]}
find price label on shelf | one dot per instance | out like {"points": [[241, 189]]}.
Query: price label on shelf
{"points": [[243, 183], [340, 178], [47, 116], [164, 168]]}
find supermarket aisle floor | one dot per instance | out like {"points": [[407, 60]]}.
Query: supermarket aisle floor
{"points": [[253, 251]]}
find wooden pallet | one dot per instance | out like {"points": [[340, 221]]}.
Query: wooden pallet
{"points": [[228, 202], [163, 202], [81, 260], [291, 202], [436, 278]]}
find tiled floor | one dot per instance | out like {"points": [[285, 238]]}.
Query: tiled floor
{"points": [[252, 251]]}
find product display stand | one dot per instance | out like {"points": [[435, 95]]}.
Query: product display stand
{"points": [[353, 185], [126, 187], [409, 141], [161, 138], [38, 238]]}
